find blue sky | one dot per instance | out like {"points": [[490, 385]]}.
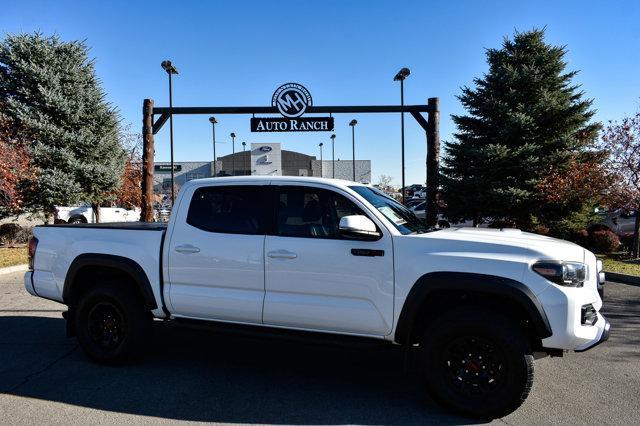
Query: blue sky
{"points": [[344, 52]]}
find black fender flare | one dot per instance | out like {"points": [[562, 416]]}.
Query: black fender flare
{"points": [[126, 265], [471, 282]]}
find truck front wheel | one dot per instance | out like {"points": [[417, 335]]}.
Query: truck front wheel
{"points": [[111, 322], [477, 363]]}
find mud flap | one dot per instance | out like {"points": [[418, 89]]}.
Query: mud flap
{"points": [[70, 326]]}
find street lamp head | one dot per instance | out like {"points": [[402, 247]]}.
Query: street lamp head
{"points": [[212, 120], [402, 74], [321, 144], [169, 67], [353, 122], [244, 143], [233, 135], [333, 136]]}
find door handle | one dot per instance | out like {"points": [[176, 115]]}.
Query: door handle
{"points": [[367, 252], [282, 254], [187, 248]]}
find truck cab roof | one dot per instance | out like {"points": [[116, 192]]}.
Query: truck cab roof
{"points": [[229, 180]]}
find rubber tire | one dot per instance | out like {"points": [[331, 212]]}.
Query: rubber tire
{"points": [[76, 220], [137, 321], [499, 329]]}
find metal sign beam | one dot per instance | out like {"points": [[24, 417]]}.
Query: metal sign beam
{"points": [[165, 112], [430, 125]]}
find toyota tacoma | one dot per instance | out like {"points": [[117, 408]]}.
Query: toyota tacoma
{"points": [[315, 257]]}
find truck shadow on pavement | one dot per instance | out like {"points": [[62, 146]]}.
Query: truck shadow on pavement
{"points": [[200, 376]]}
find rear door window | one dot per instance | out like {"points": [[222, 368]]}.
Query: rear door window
{"points": [[227, 209]]}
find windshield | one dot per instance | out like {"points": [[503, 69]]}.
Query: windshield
{"points": [[401, 217]]}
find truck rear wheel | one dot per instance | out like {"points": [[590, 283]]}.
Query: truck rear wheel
{"points": [[111, 322], [477, 363]]}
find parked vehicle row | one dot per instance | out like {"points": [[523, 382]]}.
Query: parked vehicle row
{"points": [[419, 208], [314, 256], [416, 190], [620, 221]]}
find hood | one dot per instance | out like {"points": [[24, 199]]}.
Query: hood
{"points": [[513, 240]]}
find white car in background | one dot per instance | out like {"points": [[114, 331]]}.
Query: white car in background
{"points": [[84, 214]]}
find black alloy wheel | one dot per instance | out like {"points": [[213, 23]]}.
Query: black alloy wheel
{"points": [[111, 322], [473, 365], [106, 325], [477, 362]]}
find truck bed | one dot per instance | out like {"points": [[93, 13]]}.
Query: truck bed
{"points": [[60, 245], [131, 226]]}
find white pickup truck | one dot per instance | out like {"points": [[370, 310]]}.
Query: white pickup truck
{"points": [[307, 256]]}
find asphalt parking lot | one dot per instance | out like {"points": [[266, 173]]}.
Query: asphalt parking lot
{"points": [[197, 376]]}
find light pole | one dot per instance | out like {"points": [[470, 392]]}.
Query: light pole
{"points": [[400, 76], [213, 122], [353, 146], [233, 152], [244, 144], [333, 156], [320, 145], [170, 69]]}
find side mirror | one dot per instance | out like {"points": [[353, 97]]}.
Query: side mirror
{"points": [[358, 227]]}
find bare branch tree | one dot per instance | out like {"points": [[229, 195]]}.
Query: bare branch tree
{"points": [[622, 141]]}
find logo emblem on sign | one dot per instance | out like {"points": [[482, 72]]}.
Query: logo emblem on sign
{"points": [[265, 148], [291, 99]]}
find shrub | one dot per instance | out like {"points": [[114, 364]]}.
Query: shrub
{"points": [[541, 229], [581, 238], [9, 232], [502, 223], [626, 240], [604, 241], [12, 233]]}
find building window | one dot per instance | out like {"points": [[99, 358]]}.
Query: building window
{"points": [[191, 176]]}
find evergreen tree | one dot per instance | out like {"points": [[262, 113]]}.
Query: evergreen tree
{"points": [[526, 119], [49, 86]]}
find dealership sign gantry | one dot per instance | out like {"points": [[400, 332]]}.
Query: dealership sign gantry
{"points": [[290, 101]]}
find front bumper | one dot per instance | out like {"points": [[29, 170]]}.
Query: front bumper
{"points": [[604, 336], [563, 307]]}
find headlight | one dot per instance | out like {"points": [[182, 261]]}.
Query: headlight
{"points": [[571, 274]]}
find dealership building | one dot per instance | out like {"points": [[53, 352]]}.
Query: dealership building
{"points": [[264, 159]]}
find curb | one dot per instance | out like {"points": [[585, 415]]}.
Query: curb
{"points": [[622, 278], [12, 269]]}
